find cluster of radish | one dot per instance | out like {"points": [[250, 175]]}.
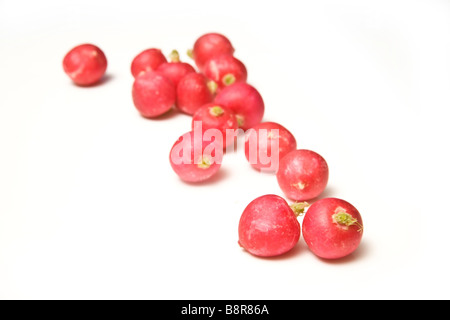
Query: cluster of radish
{"points": [[217, 96]]}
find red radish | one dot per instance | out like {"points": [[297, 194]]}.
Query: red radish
{"points": [[175, 70], [259, 141], [332, 228], [215, 116], [225, 70], [194, 159], [245, 101], [85, 64], [302, 174], [153, 94], [269, 226], [147, 60], [210, 45], [193, 91]]}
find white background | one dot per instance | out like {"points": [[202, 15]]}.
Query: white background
{"points": [[90, 207]]}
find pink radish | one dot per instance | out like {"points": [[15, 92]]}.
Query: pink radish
{"points": [[302, 175], [269, 226], [332, 228], [85, 64]]}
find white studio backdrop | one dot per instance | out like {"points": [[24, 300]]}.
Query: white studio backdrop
{"points": [[90, 207]]}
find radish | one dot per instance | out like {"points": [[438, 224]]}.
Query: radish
{"points": [[245, 101], [208, 46], [85, 64], [175, 70], [147, 60], [266, 143], [269, 226], [219, 117], [194, 158], [153, 94], [225, 70], [302, 174], [332, 228], [193, 91]]}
